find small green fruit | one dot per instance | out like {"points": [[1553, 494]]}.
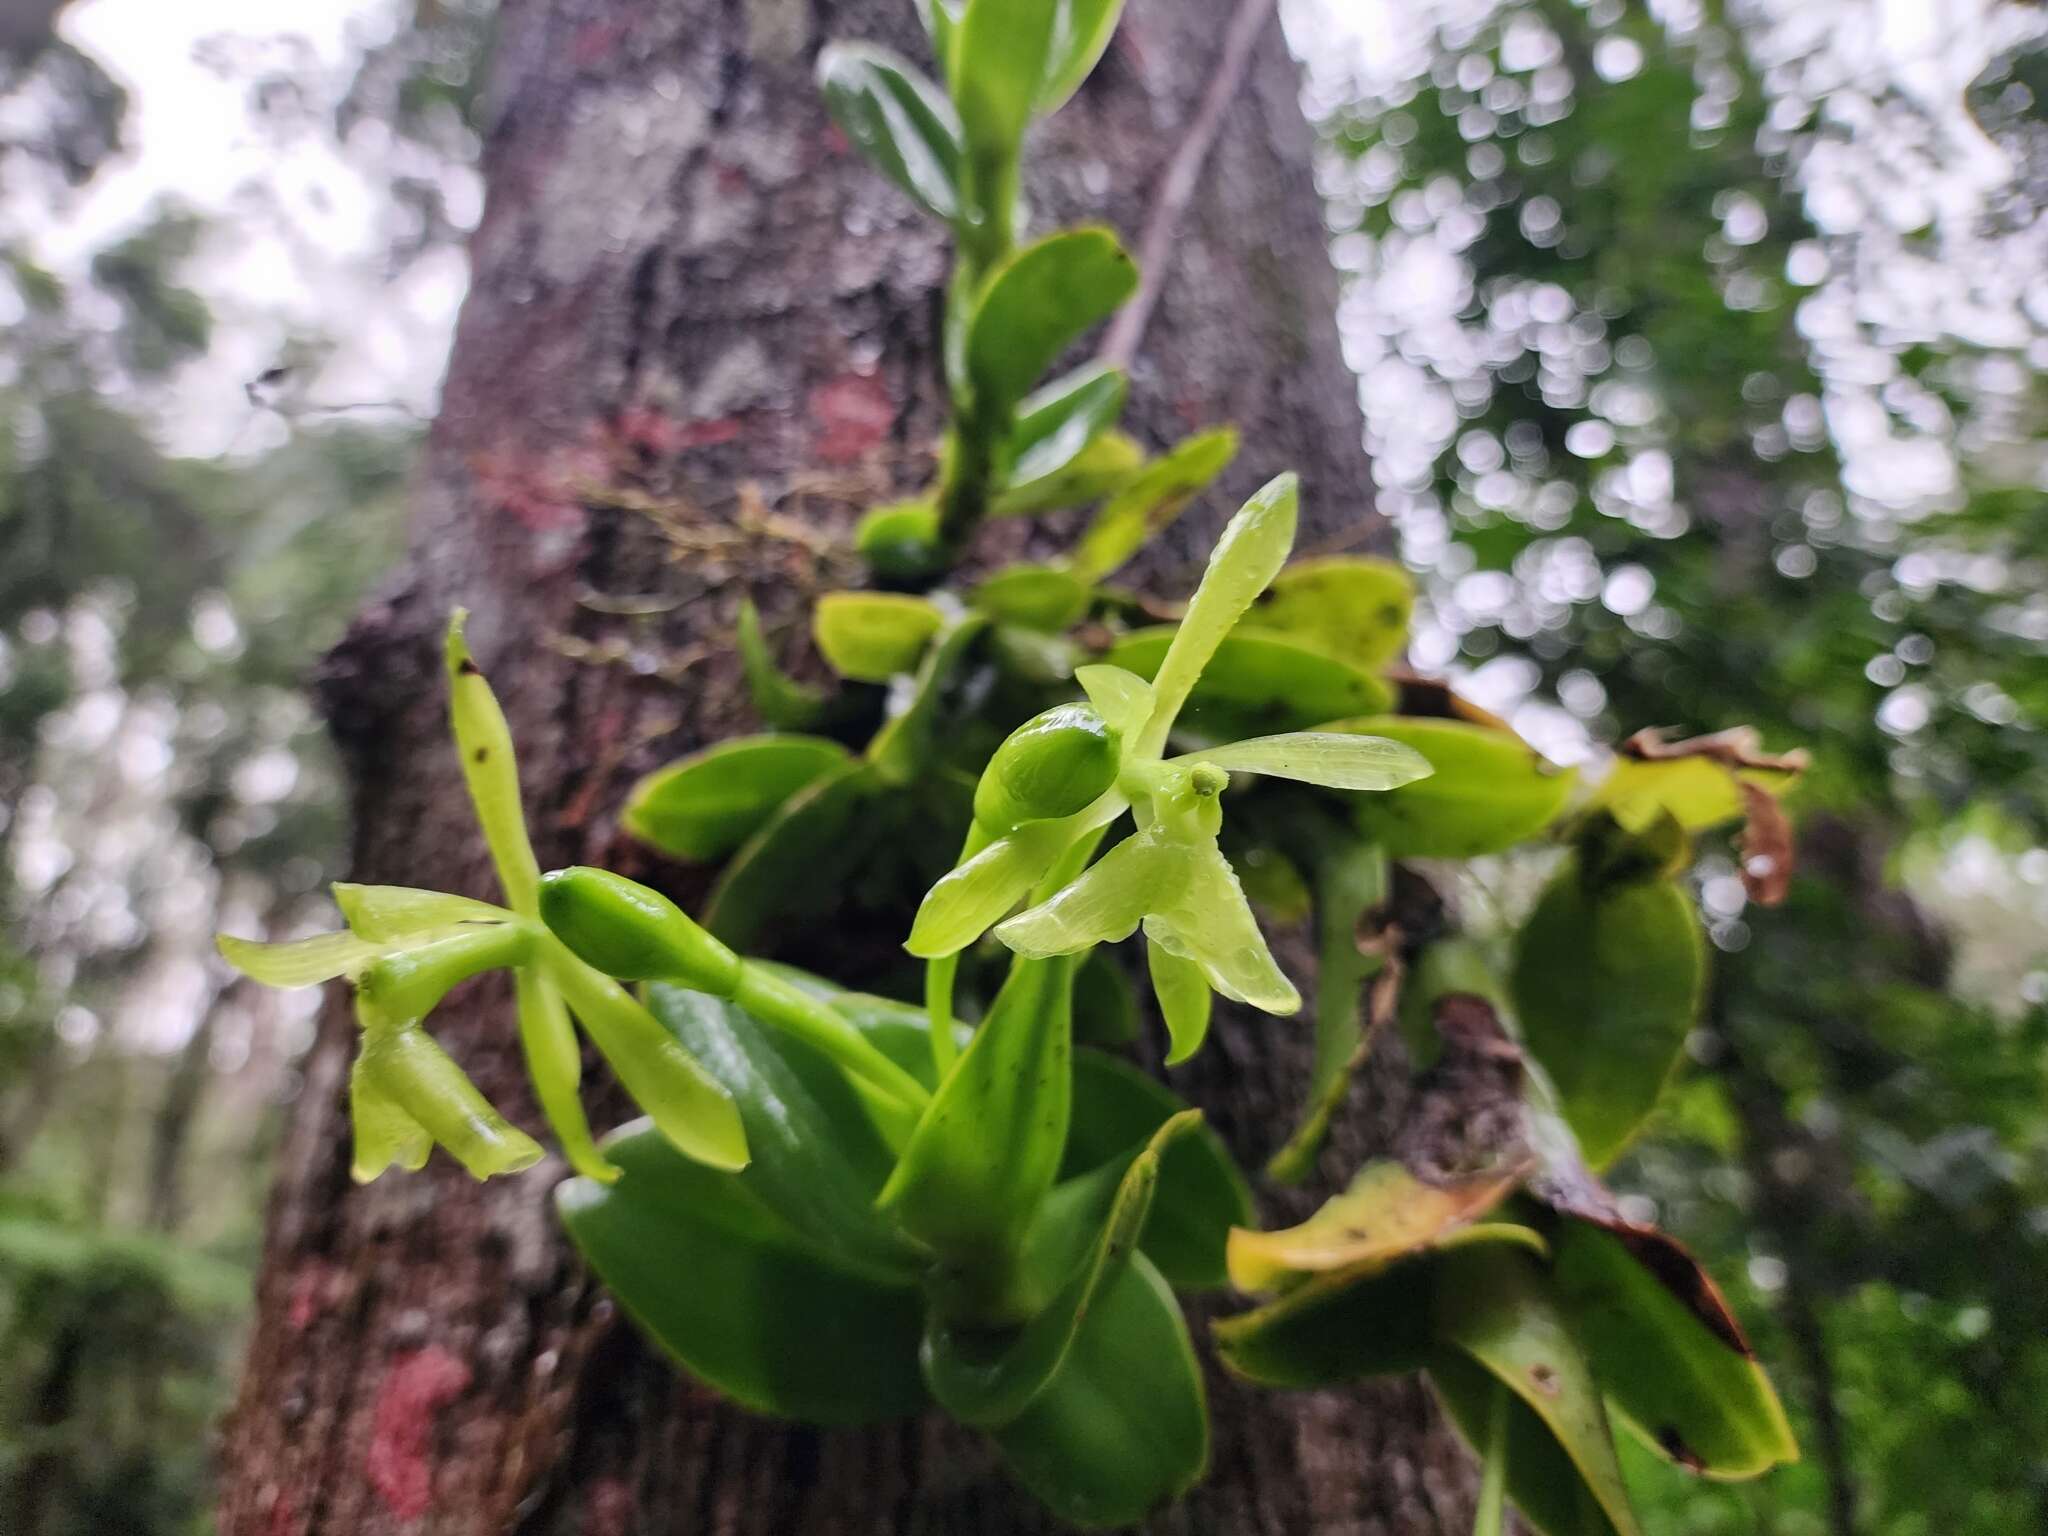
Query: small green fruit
{"points": [[1051, 766], [634, 933]]}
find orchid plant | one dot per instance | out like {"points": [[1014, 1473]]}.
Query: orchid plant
{"points": [[840, 1207]]}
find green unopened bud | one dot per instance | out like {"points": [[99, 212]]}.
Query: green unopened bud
{"points": [[633, 932], [1051, 766], [406, 985]]}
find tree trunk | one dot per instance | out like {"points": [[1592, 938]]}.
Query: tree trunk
{"points": [[701, 337]]}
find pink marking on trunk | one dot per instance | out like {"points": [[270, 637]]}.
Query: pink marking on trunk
{"points": [[853, 413], [610, 1508], [416, 1387]]}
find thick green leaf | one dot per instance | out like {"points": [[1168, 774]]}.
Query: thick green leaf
{"points": [[1056, 424], [902, 750], [1686, 1388], [734, 1294], [1606, 983], [1386, 1214], [809, 844], [1105, 1009], [1488, 790], [989, 1379], [1495, 1305], [1100, 469], [1698, 781], [779, 699], [701, 807], [900, 539], [873, 636], [1039, 302], [1257, 685], [989, 1145], [1354, 608], [1149, 499], [1081, 32], [1124, 1427], [1040, 597], [898, 119], [1201, 1194], [1542, 1482], [817, 1161], [1332, 759], [998, 61], [1337, 1327]]}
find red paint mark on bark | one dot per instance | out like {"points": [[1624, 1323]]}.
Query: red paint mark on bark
{"points": [[853, 412], [417, 1386], [656, 432], [542, 488], [594, 42], [609, 1510], [317, 1287], [731, 179], [283, 1519], [835, 140]]}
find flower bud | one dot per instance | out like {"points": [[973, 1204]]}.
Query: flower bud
{"points": [[1051, 766], [629, 931]]}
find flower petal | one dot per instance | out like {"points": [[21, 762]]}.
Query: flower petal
{"points": [[1107, 902], [1328, 758], [1123, 699], [302, 962], [1207, 920]]}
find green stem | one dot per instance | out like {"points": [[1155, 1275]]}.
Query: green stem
{"points": [[939, 974], [788, 1007], [1488, 1519]]}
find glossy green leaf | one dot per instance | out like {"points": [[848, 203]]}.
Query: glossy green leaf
{"points": [[1102, 468], [1201, 1193], [411, 1071], [1606, 982], [1698, 781], [738, 1297], [1386, 1213], [989, 1145], [1184, 1000], [1039, 302], [490, 769], [1495, 1305], [810, 843], [1542, 1482], [1124, 1427], [900, 539], [1332, 759], [873, 636], [1149, 500], [1055, 424], [385, 914], [779, 699], [903, 748], [1488, 790], [554, 1065], [816, 1160], [1000, 51], [989, 1379], [1691, 1392], [1040, 597], [1081, 31], [1255, 684], [1335, 1328], [896, 117], [1356, 609], [703, 806], [690, 1106], [1489, 1515], [1105, 1010], [300, 962], [1351, 880]]}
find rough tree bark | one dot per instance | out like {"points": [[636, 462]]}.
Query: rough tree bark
{"points": [[700, 335]]}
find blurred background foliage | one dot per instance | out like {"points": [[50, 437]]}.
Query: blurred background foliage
{"points": [[1700, 349]]}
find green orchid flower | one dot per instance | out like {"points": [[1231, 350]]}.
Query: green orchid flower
{"points": [[1169, 876]]}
